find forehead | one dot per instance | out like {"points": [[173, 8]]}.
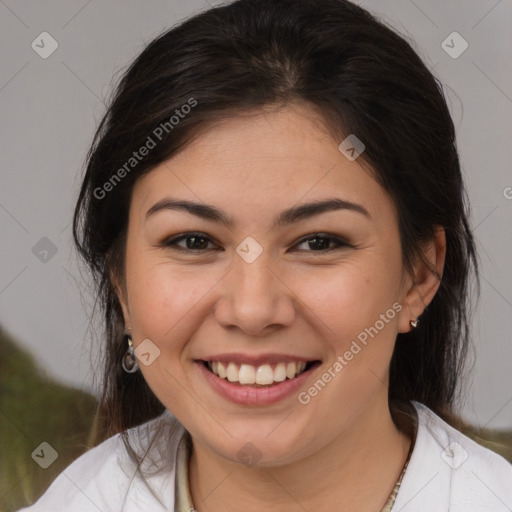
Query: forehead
{"points": [[268, 159]]}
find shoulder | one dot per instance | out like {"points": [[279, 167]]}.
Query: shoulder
{"points": [[81, 486], [450, 471], [105, 478]]}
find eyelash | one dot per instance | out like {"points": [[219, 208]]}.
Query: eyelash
{"points": [[172, 242]]}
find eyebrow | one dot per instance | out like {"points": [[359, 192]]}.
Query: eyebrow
{"points": [[289, 216]]}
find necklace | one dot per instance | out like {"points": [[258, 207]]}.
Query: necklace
{"points": [[391, 499]]}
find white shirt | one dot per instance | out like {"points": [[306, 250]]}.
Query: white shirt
{"points": [[447, 472]]}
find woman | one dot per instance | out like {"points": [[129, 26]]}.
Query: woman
{"points": [[274, 212]]}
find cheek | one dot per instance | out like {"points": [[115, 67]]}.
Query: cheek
{"points": [[352, 307], [345, 297], [165, 301]]}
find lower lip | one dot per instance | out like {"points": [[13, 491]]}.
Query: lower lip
{"points": [[246, 395]]}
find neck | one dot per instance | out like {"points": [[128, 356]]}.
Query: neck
{"points": [[355, 471]]}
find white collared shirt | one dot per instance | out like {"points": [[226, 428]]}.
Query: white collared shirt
{"points": [[447, 472]]}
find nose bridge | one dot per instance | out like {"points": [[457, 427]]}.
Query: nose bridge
{"points": [[251, 267], [255, 297], [254, 278]]}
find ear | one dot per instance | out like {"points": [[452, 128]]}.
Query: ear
{"points": [[421, 288], [120, 290]]}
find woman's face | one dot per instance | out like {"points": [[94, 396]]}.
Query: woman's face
{"points": [[266, 292]]}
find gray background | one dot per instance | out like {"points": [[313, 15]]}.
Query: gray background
{"points": [[50, 107]]}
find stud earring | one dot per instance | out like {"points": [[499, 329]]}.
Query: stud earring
{"points": [[414, 323], [129, 361]]}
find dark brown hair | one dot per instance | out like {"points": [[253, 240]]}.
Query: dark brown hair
{"points": [[363, 78]]}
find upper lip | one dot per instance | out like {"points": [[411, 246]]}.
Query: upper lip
{"points": [[257, 360]]}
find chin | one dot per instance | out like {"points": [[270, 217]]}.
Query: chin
{"points": [[257, 448]]}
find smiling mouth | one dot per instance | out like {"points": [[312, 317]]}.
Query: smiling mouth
{"points": [[262, 376]]}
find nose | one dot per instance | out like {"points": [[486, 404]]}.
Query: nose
{"points": [[255, 298]]}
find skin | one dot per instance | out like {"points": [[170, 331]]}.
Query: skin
{"points": [[342, 448]]}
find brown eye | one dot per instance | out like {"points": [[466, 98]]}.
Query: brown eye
{"points": [[321, 242], [194, 242]]}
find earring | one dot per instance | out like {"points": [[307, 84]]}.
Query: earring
{"points": [[129, 362], [414, 323]]}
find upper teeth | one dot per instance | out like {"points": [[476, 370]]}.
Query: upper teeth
{"points": [[249, 374]]}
